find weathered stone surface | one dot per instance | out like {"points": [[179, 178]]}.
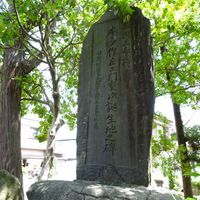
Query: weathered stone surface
{"points": [[82, 190], [9, 186], [155, 195], [115, 101]]}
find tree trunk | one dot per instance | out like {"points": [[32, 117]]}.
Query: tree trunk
{"points": [[47, 163], [185, 163], [184, 160], [14, 67], [46, 171], [10, 147]]}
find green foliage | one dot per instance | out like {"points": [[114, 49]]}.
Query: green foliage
{"points": [[175, 29], [65, 24], [42, 136], [175, 33], [165, 158], [161, 118], [8, 29], [168, 166], [163, 148], [187, 169], [161, 142], [43, 129], [123, 8], [192, 135], [168, 156], [175, 26]]}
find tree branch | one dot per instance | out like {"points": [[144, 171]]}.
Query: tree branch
{"points": [[40, 29], [179, 90], [26, 66], [21, 26], [47, 98], [39, 56], [185, 88], [9, 47], [33, 98], [65, 47], [68, 72]]}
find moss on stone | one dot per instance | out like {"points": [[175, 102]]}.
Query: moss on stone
{"points": [[9, 186]]}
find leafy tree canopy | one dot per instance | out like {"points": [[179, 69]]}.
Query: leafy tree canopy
{"points": [[175, 28], [175, 31], [52, 32]]}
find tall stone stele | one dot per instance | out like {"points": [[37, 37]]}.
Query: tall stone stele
{"points": [[116, 101]]}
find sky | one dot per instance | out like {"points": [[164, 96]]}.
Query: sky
{"points": [[190, 117]]}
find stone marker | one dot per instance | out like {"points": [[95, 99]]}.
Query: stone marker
{"points": [[115, 101], [9, 186]]}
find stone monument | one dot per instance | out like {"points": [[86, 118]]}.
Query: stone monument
{"points": [[116, 101]]}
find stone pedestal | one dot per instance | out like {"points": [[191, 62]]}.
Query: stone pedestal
{"points": [[115, 101], [83, 190]]}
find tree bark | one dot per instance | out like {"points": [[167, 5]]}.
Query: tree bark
{"points": [[14, 67], [185, 163], [10, 147]]}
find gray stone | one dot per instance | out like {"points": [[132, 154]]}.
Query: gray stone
{"points": [[115, 101], [9, 186], [82, 190], [155, 195]]}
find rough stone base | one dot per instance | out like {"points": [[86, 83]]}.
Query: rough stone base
{"points": [[85, 190], [9, 186]]}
